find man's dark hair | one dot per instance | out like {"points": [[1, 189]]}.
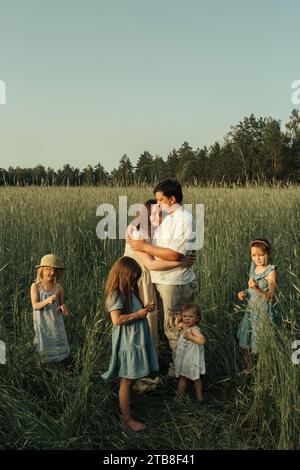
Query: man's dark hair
{"points": [[170, 188]]}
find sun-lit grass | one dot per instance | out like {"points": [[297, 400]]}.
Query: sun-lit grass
{"points": [[43, 408]]}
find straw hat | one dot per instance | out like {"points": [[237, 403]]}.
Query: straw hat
{"points": [[52, 261]]}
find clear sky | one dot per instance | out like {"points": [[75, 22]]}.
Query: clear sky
{"points": [[88, 81]]}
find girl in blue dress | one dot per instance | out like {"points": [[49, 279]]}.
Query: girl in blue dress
{"points": [[47, 298], [261, 290], [133, 355]]}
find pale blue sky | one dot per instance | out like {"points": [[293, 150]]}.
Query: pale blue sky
{"points": [[88, 81]]}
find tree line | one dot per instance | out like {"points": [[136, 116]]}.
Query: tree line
{"points": [[256, 149]]}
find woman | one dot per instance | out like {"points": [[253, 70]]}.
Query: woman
{"points": [[144, 226]]}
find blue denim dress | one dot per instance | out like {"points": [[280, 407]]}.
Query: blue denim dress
{"points": [[50, 340], [133, 355], [257, 311]]}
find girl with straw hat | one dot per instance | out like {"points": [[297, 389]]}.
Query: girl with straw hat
{"points": [[47, 298]]}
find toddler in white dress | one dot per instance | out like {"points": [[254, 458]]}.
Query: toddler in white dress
{"points": [[189, 360]]}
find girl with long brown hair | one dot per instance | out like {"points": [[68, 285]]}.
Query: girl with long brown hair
{"points": [[133, 355]]}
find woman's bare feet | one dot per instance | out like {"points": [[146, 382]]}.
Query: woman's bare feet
{"points": [[135, 426]]}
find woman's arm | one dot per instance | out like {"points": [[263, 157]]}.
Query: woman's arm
{"points": [[36, 304], [163, 265], [159, 252], [156, 264]]}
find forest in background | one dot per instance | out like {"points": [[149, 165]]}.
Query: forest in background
{"points": [[256, 149]]}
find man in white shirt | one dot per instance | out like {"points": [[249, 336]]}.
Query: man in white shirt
{"points": [[175, 286]]}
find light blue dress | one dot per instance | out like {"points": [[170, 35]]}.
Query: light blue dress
{"points": [[50, 340], [189, 358], [250, 328], [133, 355]]}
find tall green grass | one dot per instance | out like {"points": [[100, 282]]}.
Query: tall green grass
{"points": [[43, 408]]}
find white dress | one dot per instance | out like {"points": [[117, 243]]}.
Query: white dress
{"points": [[147, 291], [189, 359]]}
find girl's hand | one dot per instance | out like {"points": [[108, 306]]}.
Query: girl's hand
{"points": [[151, 306], [252, 284], [178, 322], [142, 313], [179, 326], [242, 295], [187, 334], [52, 299], [63, 309]]}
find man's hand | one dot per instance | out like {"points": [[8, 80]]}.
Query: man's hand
{"points": [[188, 260]]}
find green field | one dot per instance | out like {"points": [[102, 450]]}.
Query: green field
{"points": [[43, 408]]}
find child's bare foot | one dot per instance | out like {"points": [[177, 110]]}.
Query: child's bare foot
{"points": [[135, 426]]}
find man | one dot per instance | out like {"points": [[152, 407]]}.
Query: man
{"points": [[175, 286]]}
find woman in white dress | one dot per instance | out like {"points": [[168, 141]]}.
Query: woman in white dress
{"points": [[143, 228]]}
